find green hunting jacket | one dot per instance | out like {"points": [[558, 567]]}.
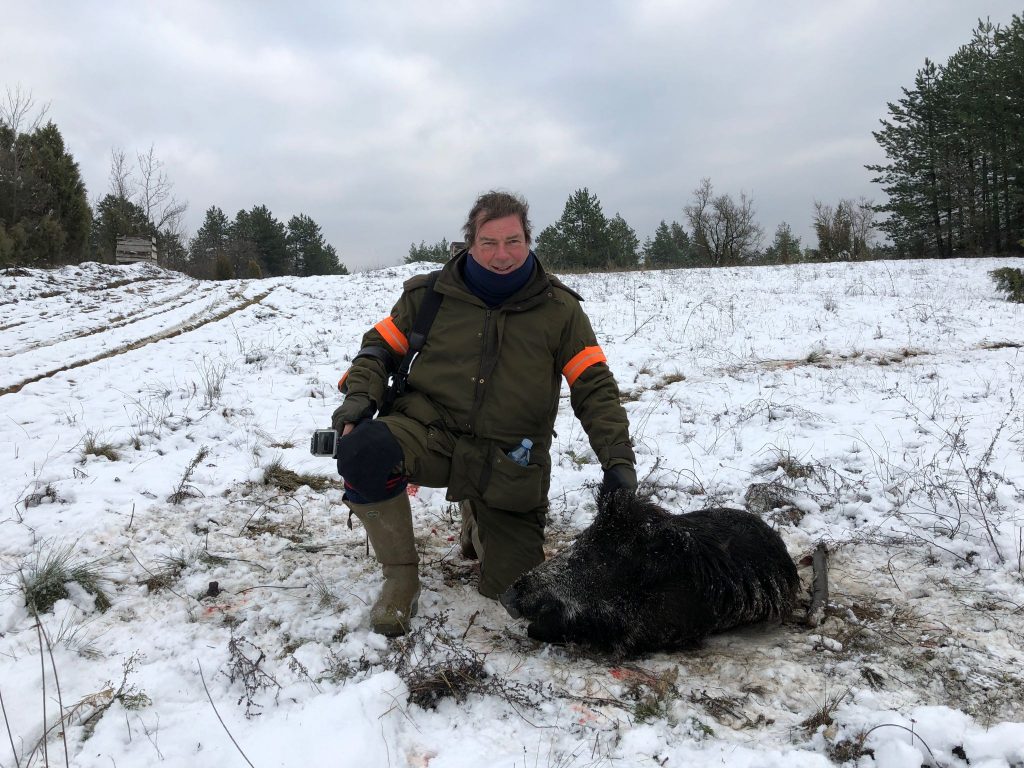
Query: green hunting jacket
{"points": [[489, 377]]}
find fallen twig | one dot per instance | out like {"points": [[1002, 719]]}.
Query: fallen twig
{"points": [[210, 698]]}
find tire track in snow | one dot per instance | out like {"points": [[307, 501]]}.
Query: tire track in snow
{"points": [[170, 333], [86, 288], [881, 358], [126, 320]]}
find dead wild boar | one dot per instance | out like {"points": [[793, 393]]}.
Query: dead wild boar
{"points": [[640, 579]]}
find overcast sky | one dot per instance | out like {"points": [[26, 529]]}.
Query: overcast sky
{"points": [[384, 120]]}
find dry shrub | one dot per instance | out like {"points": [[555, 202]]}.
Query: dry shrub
{"points": [[436, 665], [185, 489], [764, 498], [244, 665]]}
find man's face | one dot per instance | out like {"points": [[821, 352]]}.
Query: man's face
{"points": [[500, 245]]}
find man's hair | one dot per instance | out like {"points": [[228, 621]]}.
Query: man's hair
{"points": [[496, 205]]}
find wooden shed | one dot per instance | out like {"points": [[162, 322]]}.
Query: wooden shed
{"points": [[129, 250]]}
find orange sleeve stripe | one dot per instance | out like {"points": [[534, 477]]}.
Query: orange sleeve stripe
{"points": [[341, 381], [394, 337], [588, 357]]}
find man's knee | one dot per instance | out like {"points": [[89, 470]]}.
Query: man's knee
{"points": [[367, 458]]}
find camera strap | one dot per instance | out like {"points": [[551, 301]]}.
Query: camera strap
{"points": [[417, 338]]}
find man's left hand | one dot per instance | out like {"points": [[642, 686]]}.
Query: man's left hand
{"points": [[621, 477]]}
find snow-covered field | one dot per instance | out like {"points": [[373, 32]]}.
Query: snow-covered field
{"points": [[876, 407]]}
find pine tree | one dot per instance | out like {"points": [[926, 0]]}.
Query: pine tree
{"points": [[270, 237], [61, 192], [211, 243], [662, 252], [580, 238], [623, 244], [683, 244], [307, 251], [259, 244], [172, 249], [670, 247], [785, 247], [44, 213], [243, 257], [955, 150], [438, 252]]}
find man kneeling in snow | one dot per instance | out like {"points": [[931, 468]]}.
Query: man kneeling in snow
{"points": [[488, 376]]}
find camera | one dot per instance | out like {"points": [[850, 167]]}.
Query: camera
{"points": [[324, 442]]}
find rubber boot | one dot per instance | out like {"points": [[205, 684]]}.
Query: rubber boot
{"points": [[388, 526], [469, 535]]}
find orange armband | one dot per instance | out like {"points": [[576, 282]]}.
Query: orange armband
{"points": [[580, 362]]}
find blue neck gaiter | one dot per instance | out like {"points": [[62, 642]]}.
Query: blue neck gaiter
{"points": [[491, 287]]}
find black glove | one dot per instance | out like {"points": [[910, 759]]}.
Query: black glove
{"points": [[368, 458], [621, 477], [353, 410]]}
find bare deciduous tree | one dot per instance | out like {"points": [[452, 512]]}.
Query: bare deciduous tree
{"points": [[146, 185], [16, 111], [122, 186], [724, 231], [154, 194]]}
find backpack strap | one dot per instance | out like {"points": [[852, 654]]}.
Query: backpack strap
{"points": [[417, 338]]}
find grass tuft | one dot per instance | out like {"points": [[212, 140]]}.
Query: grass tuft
{"points": [[170, 567], [92, 446], [277, 475], [45, 581]]}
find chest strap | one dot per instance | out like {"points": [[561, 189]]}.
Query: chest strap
{"points": [[417, 338]]}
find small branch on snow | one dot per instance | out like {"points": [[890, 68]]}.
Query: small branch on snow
{"points": [[819, 586]]}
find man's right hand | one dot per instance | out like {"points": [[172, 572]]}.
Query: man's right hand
{"points": [[354, 409]]}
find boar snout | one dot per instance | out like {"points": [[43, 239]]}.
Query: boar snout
{"points": [[509, 600]]}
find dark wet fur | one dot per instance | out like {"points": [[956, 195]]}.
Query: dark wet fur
{"points": [[640, 579]]}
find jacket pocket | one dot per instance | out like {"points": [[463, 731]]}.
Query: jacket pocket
{"points": [[512, 486], [440, 440], [481, 470]]}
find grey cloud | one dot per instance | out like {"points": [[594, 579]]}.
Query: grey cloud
{"points": [[384, 120]]}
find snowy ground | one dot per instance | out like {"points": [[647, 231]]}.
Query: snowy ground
{"points": [[876, 407]]}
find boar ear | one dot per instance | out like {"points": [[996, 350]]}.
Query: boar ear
{"points": [[620, 504]]}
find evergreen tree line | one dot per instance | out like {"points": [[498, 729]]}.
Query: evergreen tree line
{"points": [[46, 219], [719, 230], [955, 150], [255, 244]]}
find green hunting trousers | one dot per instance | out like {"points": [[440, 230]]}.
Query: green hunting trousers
{"points": [[509, 501]]}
